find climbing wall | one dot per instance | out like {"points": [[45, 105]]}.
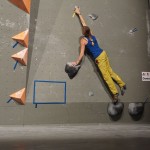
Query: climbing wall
{"points": [[52, 97], [121, 32], [13, 71]]}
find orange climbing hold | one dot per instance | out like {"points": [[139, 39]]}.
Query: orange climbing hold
{"points": [[22, 4], [21, 57], [19, 96], [22, 38]]}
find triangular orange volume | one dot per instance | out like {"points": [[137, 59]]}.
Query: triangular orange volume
{"points": [[19, 96], [22, 4], [22, 38], [21, 56]]}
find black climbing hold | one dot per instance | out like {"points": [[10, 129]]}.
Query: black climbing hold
{"points": [[136, 109], [71, 70], [115, 109]]}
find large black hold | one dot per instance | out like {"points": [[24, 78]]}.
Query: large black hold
{"points": [[115, 109], [136, 109], [71, 70]]}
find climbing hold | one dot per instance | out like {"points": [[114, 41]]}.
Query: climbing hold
{"points": [[71, 70], [133, 30], [93, 16], [91, 93], [21, 56], [19, 96], [22, 4], [136, 109], [22, 38], [115, 109]]}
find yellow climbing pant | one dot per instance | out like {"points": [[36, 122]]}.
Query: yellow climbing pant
{"points": [[108, 74]]}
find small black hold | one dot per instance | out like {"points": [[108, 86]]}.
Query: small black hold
{"points": [[133, 30]]}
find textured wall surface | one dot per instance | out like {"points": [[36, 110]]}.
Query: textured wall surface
{"points": [[12, 22], [54, 41]]}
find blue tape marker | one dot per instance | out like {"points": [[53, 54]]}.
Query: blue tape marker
{"points": [[34, 92], [48, 103], [9, 100], [15, 44], [65, 93], [15, 65], [48, 81]]}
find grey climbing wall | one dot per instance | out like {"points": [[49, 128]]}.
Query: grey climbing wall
{"points": [[12, 22], [54, 41]]}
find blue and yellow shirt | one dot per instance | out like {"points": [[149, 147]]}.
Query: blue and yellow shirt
{"points": [[94, 48]]}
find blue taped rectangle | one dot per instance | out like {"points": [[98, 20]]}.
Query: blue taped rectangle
{"points": [[48, 81]]}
